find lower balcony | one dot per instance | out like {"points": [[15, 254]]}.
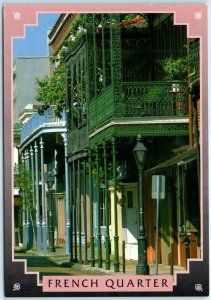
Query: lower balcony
{"points": [[38, 124]]}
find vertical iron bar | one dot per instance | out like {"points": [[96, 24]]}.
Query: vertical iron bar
{"points": [[116, 238], [78, 93], [85, 213], [107, 237], [79, 210], [99, 243], [95, 55], [123, 256], [89, 57], [116, 64], [91, 210], [74, 212], [103, 52], [71, 97], [71, 212]]}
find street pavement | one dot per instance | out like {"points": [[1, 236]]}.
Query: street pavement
{"points": [[59, 263]]}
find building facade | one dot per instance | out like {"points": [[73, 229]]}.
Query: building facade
{"points": [[39, 162], [130, 79], [25, 71], [120, 86]]}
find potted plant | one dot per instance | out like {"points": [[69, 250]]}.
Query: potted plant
{"points": [[174, 68]]}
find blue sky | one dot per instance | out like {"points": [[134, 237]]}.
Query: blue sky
{"points": [[35, 42]]}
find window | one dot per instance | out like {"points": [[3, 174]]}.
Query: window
{"points": [[129, 199]]}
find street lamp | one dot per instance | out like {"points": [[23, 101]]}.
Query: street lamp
{"points": [[50, 182], [139, 153]]}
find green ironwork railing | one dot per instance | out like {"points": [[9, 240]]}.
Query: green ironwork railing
{"points": [[146, 99], [101, 108], [139, 99]]}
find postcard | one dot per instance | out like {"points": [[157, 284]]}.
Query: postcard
{"points": [[105, 150]]}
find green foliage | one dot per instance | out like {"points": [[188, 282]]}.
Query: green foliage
{"points": [[24, 183], [174, 69], [78, 24], [130, 16], [155, 93], [52, 90]]}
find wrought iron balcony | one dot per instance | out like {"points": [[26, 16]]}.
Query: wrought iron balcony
{"points": [[140, 99], [48, 121]]}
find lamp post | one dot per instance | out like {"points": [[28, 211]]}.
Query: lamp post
{"points": [[50, 181], [139, 153]]}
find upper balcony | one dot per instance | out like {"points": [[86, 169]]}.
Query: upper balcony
{"points": [[194, 61], [152, 99], [46, 123]]}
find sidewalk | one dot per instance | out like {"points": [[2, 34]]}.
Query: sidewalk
{"points": [[58, 263]]}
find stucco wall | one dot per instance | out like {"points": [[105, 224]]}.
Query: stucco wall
{"points": [[27, 69]]}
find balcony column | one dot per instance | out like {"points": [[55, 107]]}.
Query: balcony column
{"points": [[27, 200], [116, 64], [107, 237], [79, 210], [103, 51], [85, 211], [39, 243], [33, 194], [190, 102], [25, 229], [74, 213], [91, 210], [90, 33], [78, 93], [71, 211], [116, 238], [67, 198], [43, 224], [71, 96], [95, 54], [99, 242]]}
